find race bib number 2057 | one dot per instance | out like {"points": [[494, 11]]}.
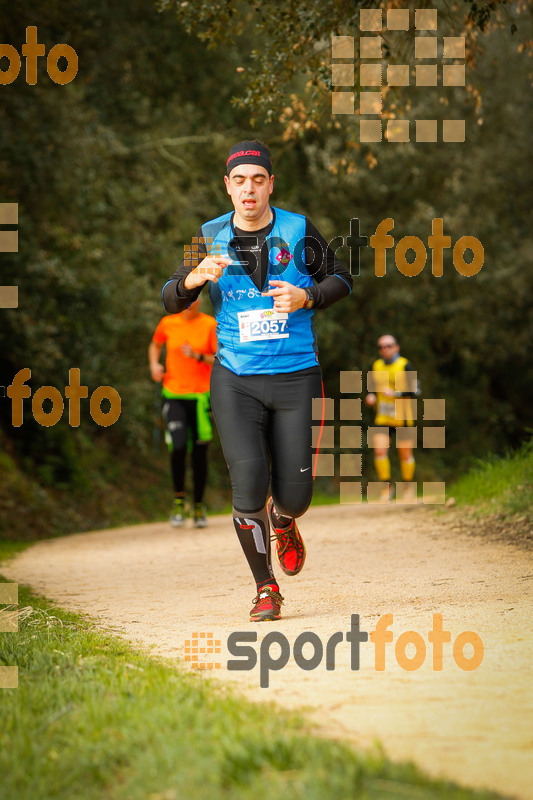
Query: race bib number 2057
{"points": [[262, 324]]}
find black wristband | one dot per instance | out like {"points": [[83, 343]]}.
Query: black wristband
{"points": [[310, 302]]}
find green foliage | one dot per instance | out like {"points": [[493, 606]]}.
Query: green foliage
{"points": [[10, 549], [92, 718], [286, 60], [499, 484], [101, 171], [480, 12], [105, 489]]}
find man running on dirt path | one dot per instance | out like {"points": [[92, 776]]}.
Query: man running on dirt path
{"points": [[268, 270], [395, 387], [191, 345]]}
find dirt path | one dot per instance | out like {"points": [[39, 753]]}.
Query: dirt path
{"points": [[152, 584]]}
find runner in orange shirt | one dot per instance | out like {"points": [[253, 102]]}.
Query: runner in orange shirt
{"points": [[191, 345]]}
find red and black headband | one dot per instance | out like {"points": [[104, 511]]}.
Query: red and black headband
{"points": [[250, 152]]}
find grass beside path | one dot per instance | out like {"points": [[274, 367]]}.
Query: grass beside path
{"points": [[505, 482], [498, 494], [93, 718]]}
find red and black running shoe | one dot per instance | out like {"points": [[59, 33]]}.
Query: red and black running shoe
{"points": [[290, 547], [267, 604]]}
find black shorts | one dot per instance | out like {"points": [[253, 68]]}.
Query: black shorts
{"points": [[264, 423], [180, 421]]}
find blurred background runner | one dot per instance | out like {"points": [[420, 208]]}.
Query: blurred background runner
{"points": [[395, 389], [191, 343]]}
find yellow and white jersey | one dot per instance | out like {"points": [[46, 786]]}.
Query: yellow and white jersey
{"points": [[396, 410]]}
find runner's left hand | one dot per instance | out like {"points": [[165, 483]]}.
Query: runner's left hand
{"points": [[287, 298]]}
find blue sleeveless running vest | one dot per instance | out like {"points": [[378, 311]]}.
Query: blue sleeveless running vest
{"points": [[241, 311]]}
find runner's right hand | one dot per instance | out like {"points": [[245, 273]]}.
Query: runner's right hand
{"points": [[158, 372], [210, 269]]}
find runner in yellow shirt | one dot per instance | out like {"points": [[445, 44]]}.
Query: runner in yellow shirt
{"points": [[393, 398], [191, 345]]}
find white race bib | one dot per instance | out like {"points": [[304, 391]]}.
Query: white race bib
{"points": [[262, 324], [387, 409]]}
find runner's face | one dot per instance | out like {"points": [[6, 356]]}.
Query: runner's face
{"points": [[250, 187], [388, 347]]}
